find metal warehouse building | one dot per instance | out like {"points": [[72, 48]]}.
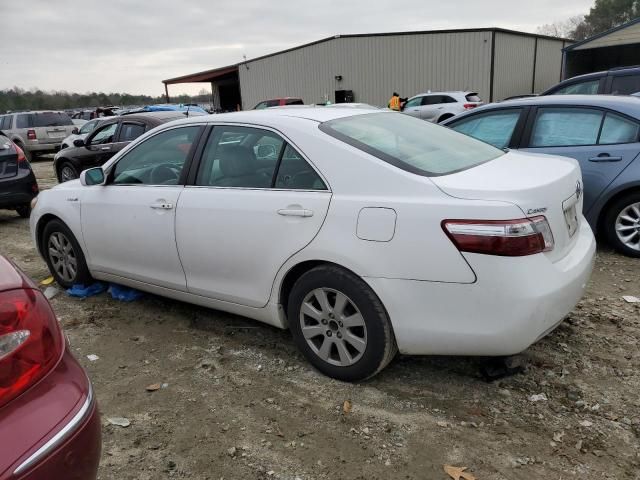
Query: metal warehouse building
{"points": [[493, 62]]}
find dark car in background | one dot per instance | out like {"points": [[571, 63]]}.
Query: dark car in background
{"points": [[279, 102], [37, 132], [49, 420], [18, 184], [111, 136], [617, 81], [602, 132]]}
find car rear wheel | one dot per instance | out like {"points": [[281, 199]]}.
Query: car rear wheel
{"points": [[24, 210], [622, 225], [64, 256], [67, 172], [340, 325]]}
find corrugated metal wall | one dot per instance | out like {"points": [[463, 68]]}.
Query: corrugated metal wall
{"points": [[548, 64], [373, 67], [513, 70]]}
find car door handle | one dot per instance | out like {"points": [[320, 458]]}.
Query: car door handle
{"points": [[105, 148], [162, 206], [605, 157], [295, 212]]}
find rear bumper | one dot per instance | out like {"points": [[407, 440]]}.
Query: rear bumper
{"points": [[55, 428], [18, 190], [514, 303], [44, 147]]}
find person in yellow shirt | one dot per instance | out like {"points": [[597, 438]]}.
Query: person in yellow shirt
{"points": [[394, 102]]}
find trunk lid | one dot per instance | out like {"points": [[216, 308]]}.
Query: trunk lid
{"points": [[538, 184]]}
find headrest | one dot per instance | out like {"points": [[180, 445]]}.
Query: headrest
{"points": [[237, 161]]}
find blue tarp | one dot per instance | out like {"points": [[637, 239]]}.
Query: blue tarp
{"points": [[118, 292], [173, 108]]}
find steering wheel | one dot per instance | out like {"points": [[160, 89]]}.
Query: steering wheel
{"points": [[163, 174]]}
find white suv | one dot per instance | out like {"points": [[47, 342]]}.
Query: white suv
{"points": [[438, 106]]}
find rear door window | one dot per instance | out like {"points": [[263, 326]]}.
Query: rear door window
{"points": [[130, 131], [23, 120], [625, 84], [617, 129], [294, 173], [561, 127], [495, 128], [51, 119]]}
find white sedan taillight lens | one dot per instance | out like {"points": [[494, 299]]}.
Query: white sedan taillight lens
{"points": [[31, 342], [509, 238]]}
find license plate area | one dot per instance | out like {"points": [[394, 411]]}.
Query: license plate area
{"points": [[571, 219]]}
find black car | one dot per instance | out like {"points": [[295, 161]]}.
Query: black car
{"points": [[107, 139], [18, 184], [617, 81]]}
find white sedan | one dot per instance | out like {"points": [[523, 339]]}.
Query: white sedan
{"points": [[362, 232]]}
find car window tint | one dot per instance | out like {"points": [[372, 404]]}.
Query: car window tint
{"points": [[625, 84], [23, 120], [411, 144], [617, 129], [6, 122], [104, 135], [495, 128], [582, 88], [294, 101], [295, 173], [130, 131], [260, 106], [158, 160], [447, 99], [559, 127], [430, 99], [239, 157], [414, 102], [51, 119]]}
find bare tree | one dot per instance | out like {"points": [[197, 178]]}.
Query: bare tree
{"points": [[564, 29]]}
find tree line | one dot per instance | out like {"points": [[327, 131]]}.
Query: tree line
{"points": [[604, 14], [16, 99]]}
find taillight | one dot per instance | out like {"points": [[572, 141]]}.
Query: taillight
{"points": [[509, 238], [21, 156], [468, 106], [31, 341], [31, 134]]}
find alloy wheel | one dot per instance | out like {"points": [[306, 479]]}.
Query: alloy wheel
{"points": [[628, 226], [67, 173], [63, 257], [333, 327]]}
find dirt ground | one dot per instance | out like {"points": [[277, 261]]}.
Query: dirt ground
{"points": [[241, 403]]}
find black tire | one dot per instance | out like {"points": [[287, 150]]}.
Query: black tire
{"points": [[66, 172], [82, 275], [632, 247], [379, 345], [24, 210]]}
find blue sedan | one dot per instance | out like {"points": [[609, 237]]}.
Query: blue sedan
{"points": [[601, 132]]}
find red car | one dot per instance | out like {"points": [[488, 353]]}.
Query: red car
{"points": [[49, 420], [279, 102]]}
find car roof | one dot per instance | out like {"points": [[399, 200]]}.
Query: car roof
{"points": [[626, 104], [449, 92]]}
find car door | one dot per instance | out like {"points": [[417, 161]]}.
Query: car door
{"points": [[499, 127], [99, 145], [413, 106], [603, 142], [431, 107], [253, 203], [128, 224]]}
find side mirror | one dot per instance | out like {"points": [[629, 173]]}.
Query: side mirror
{"points": [[92, 176], [266, 151], [75, 131], [78, 142]]}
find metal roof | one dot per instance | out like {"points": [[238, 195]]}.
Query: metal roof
{"points": [[600, 35]]}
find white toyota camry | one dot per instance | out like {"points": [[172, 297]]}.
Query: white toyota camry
{"points": [[362, 232]]}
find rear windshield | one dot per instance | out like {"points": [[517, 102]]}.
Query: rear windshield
{"points": [[473, 97], [411, 144], [51, 119]]}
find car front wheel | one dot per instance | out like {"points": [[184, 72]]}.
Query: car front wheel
{"points": [[622, 225], [340, 325], [67, 172], [64, 256]]}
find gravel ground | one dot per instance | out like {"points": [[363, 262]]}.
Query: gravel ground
{"points": [[238, 401]]}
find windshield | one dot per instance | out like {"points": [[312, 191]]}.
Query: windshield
{"points": [[411, 144], [51, 119]]}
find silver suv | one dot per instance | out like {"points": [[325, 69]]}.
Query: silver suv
{"points": [[439, 106], [38, 131]]}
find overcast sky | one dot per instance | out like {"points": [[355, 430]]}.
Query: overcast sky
{"points": [[131, 45]]}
